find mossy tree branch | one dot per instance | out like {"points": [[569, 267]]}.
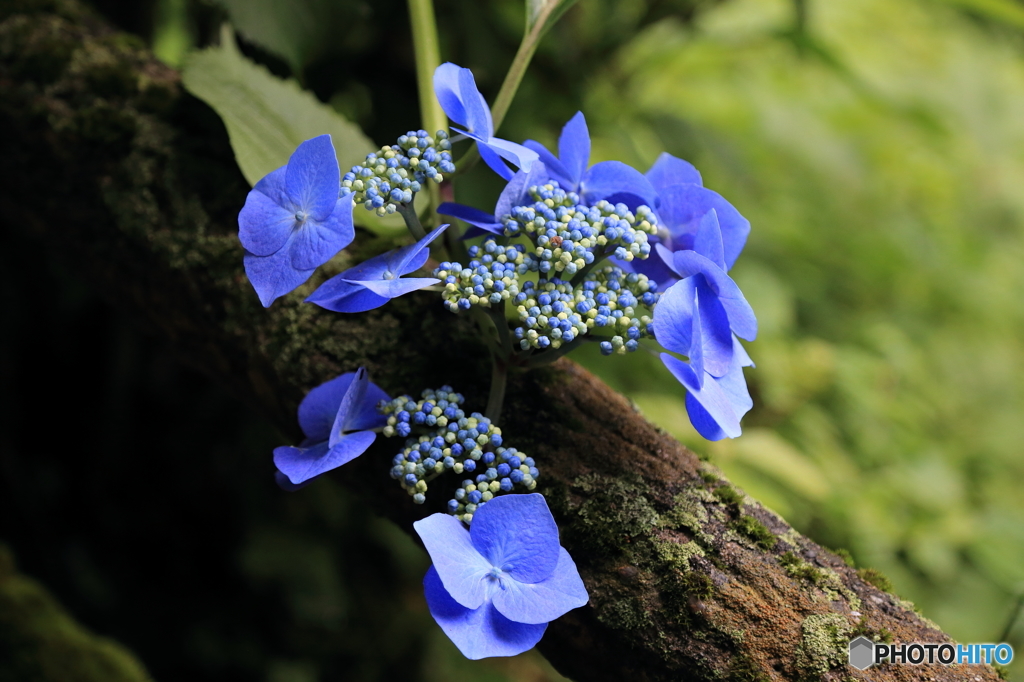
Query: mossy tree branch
{"points": [[131, 182]]}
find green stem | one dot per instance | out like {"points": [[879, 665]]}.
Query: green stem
{"points": [[501, 325], [412, 221], [487, 329], [509, 87], [515, 74], [499, 377], [428, 58]]}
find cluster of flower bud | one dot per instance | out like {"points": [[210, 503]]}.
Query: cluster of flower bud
{"points": [[610, 300], [433, 409], [393, 175], [489, 280], [569, 236], [506, 470], [553, 312], [548, 315], [451, 441]]}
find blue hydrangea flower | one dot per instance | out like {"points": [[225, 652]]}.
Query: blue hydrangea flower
{"points": [[724, 310], [494, 588], [516, 193], [715, 405], [699, 317], [373, 283], [294, 221], [456, 90], [684, 201], [337, 418], [613, 181]]}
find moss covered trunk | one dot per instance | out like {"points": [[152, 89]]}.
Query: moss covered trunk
{"points": [[131, 182]]}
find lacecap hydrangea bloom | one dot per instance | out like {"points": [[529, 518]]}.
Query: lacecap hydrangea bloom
{"points": [[295, 220], [456, 90], [373, 283], [699, 316], [494, 588], [684, 202], [612, 181], [338, 419]]}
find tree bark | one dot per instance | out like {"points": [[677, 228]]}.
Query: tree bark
{"points": [[111, 166]]}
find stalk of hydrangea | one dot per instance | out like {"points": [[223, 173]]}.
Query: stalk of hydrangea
{"points": [[456, 90], [338, 418], [294, 220], [612, 181], [494, 588], [376, 281]]}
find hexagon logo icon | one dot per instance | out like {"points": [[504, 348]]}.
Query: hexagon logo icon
{"points": [[862, 653]]}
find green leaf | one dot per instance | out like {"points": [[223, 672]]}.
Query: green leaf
{"points": [[298, 31], [542, 14], [267, 118]]}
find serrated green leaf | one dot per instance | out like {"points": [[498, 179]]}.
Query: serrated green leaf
{"points": [[267, 117], [542, 14]]}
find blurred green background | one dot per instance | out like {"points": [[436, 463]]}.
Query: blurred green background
{"points": [[877, 147]]}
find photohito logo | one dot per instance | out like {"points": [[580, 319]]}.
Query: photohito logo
{"points": [[864, 653]]}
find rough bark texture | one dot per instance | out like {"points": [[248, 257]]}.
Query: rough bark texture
{"points": [[132, 182]]}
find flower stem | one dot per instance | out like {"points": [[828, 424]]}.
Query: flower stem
{"points": [[412, 221], [499, 377], [514, 76], [428, 58], [501, 325]]}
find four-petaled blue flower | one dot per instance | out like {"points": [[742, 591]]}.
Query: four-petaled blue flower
{"points": [[684, 201], [699, 317], [294, 221], [613, 181], [373, 283], [456, 90], [337, 418], [494, 588]]}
